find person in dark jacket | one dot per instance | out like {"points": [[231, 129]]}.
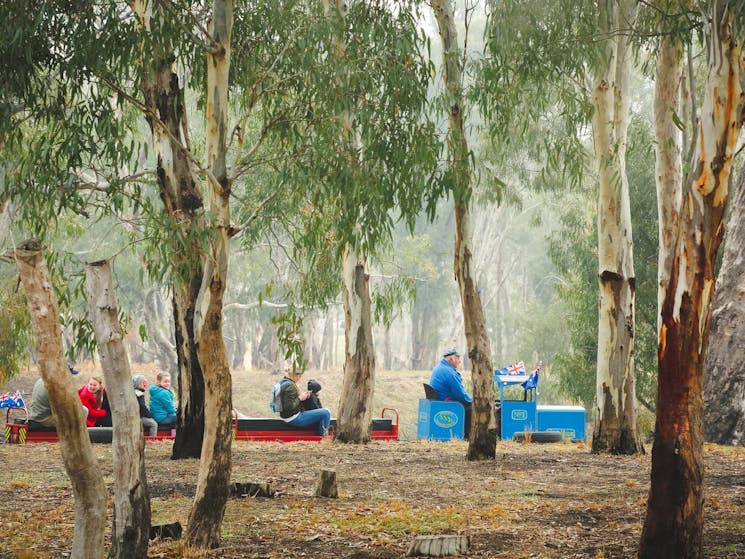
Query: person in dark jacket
{"points": [[140, 384], [313, 402], [292, 409]]}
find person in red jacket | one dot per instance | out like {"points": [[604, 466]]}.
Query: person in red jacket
{"points": [[91, 396]]}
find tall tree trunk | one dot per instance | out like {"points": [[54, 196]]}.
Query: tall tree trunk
{"points": [[668, 156], [353, 423], [80, 463], [183, 204], [483, 440], [724, 381], [354, 417], [131, 526], [615, 419], [673, 527], [208, 510]]}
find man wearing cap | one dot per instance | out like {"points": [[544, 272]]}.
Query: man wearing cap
{"points": [[448, 382]]}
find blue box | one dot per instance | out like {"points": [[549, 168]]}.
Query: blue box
{"points": [[440, 421], [517, 415], [568, 420]]}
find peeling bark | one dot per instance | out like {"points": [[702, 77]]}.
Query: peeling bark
{"points": [[673, 528]]}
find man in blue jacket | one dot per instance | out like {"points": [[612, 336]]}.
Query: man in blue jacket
{"points": [[448, 382]]}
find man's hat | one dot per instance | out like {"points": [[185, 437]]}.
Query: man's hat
{"points": [[451, 351]]}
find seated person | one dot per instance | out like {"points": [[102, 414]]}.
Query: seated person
{"points": [[40, 414], [91, 396], [162, 407], [448, 382], [292, 410], [140, 384], [313, 402], [40, 410]]}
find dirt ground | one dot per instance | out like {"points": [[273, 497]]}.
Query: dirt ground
{"points": [[534, 501]]}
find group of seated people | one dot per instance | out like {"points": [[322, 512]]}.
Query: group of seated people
{"points": [[160, 414]]}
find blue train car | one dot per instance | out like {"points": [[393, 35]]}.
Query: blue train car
{"points": [[518, 410]]}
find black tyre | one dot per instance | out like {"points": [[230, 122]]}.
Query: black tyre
{"points": [[537, 437]]}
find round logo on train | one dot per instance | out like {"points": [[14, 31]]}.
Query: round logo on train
{"points": [[445, 419]]}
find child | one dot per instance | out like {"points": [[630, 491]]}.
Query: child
{"points": [[91, 396], [140, 385], [313, 402], [162, 407]]}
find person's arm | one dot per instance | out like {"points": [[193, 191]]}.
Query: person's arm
{"points": [[169, 404], [458, 389]]}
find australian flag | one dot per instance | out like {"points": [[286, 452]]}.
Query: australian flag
{"points": [[14, 400]]}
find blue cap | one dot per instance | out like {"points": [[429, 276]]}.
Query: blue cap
{"points": [[451, 351]]}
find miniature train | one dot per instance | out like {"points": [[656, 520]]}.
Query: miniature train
{"points": [[384, 428]]}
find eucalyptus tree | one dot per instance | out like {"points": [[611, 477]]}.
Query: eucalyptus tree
{"points": [[483, 439], [132, 513], [584, 51], [573, 248], [199, 310], [77, 453], [64, 145], [674, 521], [369, 159]]}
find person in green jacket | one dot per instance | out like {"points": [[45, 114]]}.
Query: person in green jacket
{"points": [[292, 409]]}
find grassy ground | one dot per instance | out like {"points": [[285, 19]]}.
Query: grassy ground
{"points": [[554, 501]]}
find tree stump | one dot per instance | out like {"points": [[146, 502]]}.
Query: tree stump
{"points": [[438, 546], [327, 485]]}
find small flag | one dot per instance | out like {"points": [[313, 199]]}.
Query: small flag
{"points": [[18, 399], [516, 369]]}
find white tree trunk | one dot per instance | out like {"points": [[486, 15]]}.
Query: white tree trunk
{"points": [[205, 518], [615, 420], [131, 498], [77, 454], [669, 159]]}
